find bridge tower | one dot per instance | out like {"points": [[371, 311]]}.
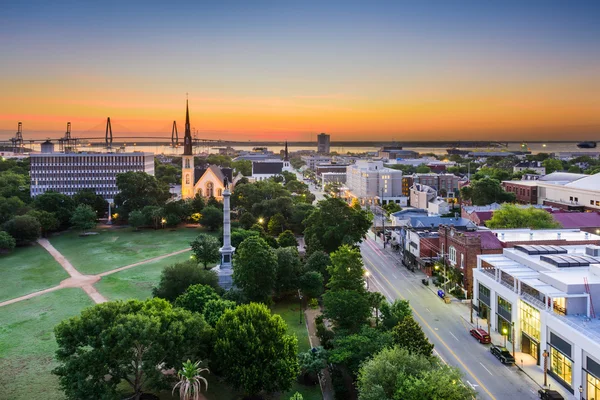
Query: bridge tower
{"points": [[108, 137], [174, 135]]}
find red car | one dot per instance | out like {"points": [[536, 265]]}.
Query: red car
{"points": [[481, 336]]}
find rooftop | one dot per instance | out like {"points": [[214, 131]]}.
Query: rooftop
{"points": [[524, 235], [578, 220], [588, 182]]}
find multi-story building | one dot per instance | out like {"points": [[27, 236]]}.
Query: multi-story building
{"points": [[447, 185], [421, 195], [330, 167], [541, 299], [69, 173], [535, 166], [373, 183], [526, 191], [313, 160], [323, 143], [394, 153]]}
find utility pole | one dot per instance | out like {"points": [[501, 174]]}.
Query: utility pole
{"points": [[513, 338], [545, 354]]}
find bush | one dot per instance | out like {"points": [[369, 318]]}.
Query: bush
{"points": [[325, 335], [196, 297], [23, 228], [176, 278], [7, 242]]}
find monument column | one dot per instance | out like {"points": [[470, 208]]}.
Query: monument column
{"points": [[225, 269]]}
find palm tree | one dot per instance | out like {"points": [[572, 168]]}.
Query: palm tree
{"points": [[190, 381]]}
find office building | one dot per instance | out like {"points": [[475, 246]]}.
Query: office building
{"points": [[69, 173], [372, 183], [323, 143], [312, 161]]}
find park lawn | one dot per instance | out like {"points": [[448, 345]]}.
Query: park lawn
{"points": [[27, 343], [27, 270], [137, 282], [113, 248]]}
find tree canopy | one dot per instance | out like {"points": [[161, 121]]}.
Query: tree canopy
{"points": [[212, 217], [206, 249], [84, 217], [196, 297], [254, 351], [486, 191], [176, 278], [254, 269], [512, 216], [23, 228], [138, 190], [409, 335]]}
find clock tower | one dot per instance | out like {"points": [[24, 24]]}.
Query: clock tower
{"points": [[187, 167]]}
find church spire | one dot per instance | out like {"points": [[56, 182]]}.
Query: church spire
{"points": [[187, 141], [286, 156]]}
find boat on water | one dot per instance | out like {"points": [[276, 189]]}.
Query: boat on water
{"points": [[455, 151], [587, 145]]}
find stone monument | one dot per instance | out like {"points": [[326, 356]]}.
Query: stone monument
{"points": [[225, 269]]}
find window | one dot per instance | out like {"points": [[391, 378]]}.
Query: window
{"points": [[187, 179], [452, 255], [560, 365], [576, 199], [187, 162], [462, 261], [530, 320], [593, 387], [597, 203], [592, 202]]}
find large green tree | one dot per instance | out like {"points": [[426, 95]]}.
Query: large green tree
{"points": [[396, 374], [23, 228], [289, 268], [89, 197], [137, 219], [352, 350], [512, 216], [60, 205], [14, 184], [393, 313], [552, 165], [215, 308], [212, 218], [126, 342], [206, 249], [239, 235], [254, 350], [7, 242], [409, 335], [311, 284], [348, 309], [486, 191], [48, 222], [346, 270], [84, 218], [318, 261], [334, 223], [196, 297], [254, 269], [287, 239], [138, 190], [10, 207], [176, 278]]}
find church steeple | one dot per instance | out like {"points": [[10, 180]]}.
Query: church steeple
{"points": [[187, 140], [285, 154]]}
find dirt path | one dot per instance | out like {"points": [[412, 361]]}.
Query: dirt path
{"points": [[77, 279]]}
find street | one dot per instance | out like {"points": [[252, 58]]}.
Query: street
{"points": [[446, 326]]}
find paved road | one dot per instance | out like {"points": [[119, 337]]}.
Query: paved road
{"points": [[446, 327]]}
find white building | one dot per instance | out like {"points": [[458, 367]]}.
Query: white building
{"points": [[584, 191], [373, 183], [438, 206], [541, 297], [536, 166], [421, 195], [313, 160], [69, 173]]}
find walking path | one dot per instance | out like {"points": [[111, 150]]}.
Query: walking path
{"points": [[77, 279], [324, 379]]}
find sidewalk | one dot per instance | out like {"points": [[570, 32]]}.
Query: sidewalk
{"points": [[325, 379]]}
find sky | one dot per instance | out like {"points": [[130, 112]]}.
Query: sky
{"points": [[274, 70]]}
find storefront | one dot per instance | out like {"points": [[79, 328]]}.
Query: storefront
{"points": [[504, 318], [592, 379], [561, 362], [483, 306], [529, 317]]}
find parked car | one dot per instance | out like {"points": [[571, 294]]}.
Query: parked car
{"points": [[425, 281], [547, 394], [502, 354], [481, 335]]}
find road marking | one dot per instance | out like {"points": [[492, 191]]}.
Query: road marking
{"points": [[428, 310], [486, 369], [409, 291], [394, 275], [531, 390], [472, 385], [434, 333], [454, 336], [509, 370]]}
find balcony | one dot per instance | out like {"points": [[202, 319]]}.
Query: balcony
{"points": [[533, 300]]}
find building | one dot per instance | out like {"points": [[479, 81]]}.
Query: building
{"points": [[330, 167], [373, 183], [438, 206], [479, 214], [396, 153], [313, 160], [536, 166], [266, 169], [69, 173], [421, 195], [333, 177], [541, 299], [526, 191], [402, 217], [257, 154], [323, 143]]}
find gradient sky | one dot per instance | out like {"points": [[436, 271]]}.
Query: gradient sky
{"points": [[438, 70]]}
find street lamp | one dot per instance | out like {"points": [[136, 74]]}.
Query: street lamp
{"points": [[367, 274], [545, 355], [513, 337], [261, 220], [163, 222], [300, 297], [504, 333], [580, 391]]}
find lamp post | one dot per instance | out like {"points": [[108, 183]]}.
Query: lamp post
{"points": [[513, 337], [580, 392], [261, 220], [163, 222], [545, 355], [300, 297], [504, 333], [367, 274]]}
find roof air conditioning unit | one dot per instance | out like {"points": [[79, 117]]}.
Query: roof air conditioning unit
{"points": [[593, 251]]}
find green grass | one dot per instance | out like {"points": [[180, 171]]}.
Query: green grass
{"points": [[114, 248], [27, 270], [290, 312], [27, 343], [136, 282]]}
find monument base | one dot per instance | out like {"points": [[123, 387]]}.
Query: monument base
{"points": [[225, 276]]}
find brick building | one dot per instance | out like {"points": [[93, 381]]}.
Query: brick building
{"points": [[525, 191]]}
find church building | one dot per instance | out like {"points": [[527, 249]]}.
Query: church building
{"points": [[206, 180]]}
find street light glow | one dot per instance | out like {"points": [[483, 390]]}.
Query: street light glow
{"points": [[261, 220], [367, 273], [504, 331]]}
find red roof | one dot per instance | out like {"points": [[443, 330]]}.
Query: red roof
{"points": [[489, 240], [484, 215], [578, 220]]}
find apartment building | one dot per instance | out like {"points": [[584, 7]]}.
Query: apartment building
{"points": [[373, 183]]}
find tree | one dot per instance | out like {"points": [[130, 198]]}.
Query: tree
{"points": [[89, 197], [247, 220], [212, 218], [346, 270], [288, 270], [167, 173], [206, 249], [287, 239], [409, 335], [276, 224], [486, 191], [137, 219], [254, 351], [23, 228], [190, 381], [423, 169], [196, 297], [254, 269], [83, 218], [176, 278], [197, 204], [391, 208], [334, 223], [7, 242], [512, 216], [552, 165], [215, 308], [393, 313], [394, 373], [311, 284], [244, 167], [574, 169], [137, 190], [318, 261], [48, 222], [376, 301], [154, 215], [239, 235], [117, 342], [9, 207], [13, 184], [352, 350], [60, 205], [349, 309], [312, 362]]}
